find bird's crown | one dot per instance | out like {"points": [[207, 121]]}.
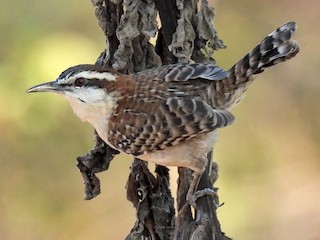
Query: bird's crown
{"points": [[85, 75]]}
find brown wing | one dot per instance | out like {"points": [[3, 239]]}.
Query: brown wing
{"points": [[193, 81], [183, 72], [147, 125]]}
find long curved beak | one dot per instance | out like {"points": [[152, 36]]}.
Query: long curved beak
{"points": [[46, 87]]}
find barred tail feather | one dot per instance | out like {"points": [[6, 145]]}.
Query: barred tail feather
{"points": [[275, 48]]}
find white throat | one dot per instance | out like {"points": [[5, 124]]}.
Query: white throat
{"points": [[94, 106]]}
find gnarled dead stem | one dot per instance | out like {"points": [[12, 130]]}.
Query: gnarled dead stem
{"points": [[186, 34]]}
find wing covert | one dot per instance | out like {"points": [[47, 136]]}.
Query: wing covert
{"points": [[163, 124], [183, 72]]}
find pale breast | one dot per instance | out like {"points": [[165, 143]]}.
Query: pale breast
{"points": [[191, 153]]}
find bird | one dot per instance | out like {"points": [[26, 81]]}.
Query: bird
{"points": [[168, 115]]}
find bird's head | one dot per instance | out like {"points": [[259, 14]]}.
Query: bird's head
{"points": [[88, 88]]}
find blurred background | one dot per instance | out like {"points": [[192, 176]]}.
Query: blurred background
{"points": [[269, 159]]}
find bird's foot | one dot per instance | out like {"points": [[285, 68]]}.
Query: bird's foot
{"points": [[198, 194]]}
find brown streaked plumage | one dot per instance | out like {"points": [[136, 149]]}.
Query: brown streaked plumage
{"points": [[168, 115]]}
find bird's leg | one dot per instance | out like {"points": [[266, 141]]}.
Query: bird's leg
{"points": [[193, 194]]}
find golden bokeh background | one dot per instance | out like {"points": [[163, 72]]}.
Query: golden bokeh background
{"points": [[269, 159]]}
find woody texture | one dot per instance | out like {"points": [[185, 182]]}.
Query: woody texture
{"points": [[163, 104]]}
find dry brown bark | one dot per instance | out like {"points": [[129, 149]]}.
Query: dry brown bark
{"points": [[186, 34]]}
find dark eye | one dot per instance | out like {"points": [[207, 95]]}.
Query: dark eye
{"points": [[79, 82]]}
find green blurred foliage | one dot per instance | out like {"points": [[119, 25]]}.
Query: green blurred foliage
{"points": [[269, 159]]}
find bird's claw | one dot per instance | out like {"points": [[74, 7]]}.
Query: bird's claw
{"points": [[200, 193]]}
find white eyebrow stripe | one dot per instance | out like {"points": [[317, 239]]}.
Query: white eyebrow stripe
{"points": [[95, 75]]}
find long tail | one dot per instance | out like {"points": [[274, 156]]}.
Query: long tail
{"points": [[275, 48]]}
